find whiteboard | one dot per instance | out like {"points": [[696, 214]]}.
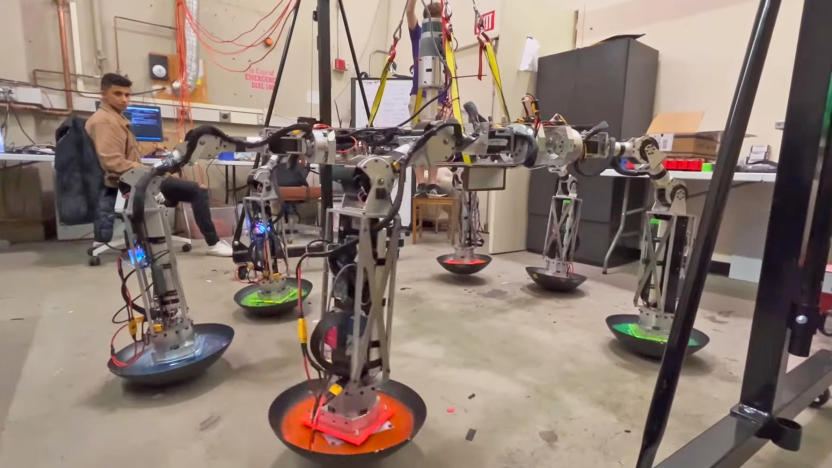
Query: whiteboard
{"points": [[395, 104], [394, 109]]}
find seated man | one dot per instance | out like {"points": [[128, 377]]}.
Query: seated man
{"points": [[118, 152]]}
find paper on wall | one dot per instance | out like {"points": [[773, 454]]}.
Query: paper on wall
{"points": [[528, 61]]}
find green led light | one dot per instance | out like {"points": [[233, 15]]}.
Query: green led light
{"points": [[634, 330], [655, 221], [262, 299]]}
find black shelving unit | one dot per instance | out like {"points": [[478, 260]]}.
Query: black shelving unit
{"points": [[613, 81]]}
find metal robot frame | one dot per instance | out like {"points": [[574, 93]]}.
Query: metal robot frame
{"points": [[179, 349], [361, 260]]}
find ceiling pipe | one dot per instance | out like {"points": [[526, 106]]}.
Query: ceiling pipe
{"points": [[77, 57], [97, 20], [64, 52]]}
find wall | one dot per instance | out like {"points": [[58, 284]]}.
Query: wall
{"points": [[699, 71], [225, 18], [31, 39], [553, 28], [701, 46]]}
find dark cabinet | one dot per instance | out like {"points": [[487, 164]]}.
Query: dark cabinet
{"points": [[613, 81]]}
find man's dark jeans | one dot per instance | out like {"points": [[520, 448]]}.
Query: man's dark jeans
{"points": [[175, 190]]}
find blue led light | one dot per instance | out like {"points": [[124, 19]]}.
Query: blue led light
{"points": [[138, 256], [261, 228]]}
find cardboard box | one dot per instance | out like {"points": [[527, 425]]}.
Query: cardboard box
{"points": [[679, 135]]}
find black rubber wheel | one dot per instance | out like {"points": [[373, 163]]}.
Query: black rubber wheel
{"points": [[95, 261], [89, 251], [186, 247], [821, 399]]}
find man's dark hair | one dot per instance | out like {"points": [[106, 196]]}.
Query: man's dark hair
{"points": [[433, 10], [114, 79]]}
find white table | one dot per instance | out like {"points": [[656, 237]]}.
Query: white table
{"points": [[50, 158], [741, 267], [765, 177]]}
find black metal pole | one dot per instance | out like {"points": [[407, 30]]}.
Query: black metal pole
{"points": [[325, 100], [354, 58], [685, 316], [807, 318], [790, 278], [780, 277], [282, 63]]}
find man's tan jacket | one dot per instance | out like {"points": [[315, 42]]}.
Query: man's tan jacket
{"points": [[117, 148]]}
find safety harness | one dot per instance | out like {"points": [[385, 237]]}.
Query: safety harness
{"points": [[385, 72], [486, 48]]}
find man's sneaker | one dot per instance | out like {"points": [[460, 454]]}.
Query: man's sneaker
{"points": [[220, 249], [421, 191], [435, 191]]}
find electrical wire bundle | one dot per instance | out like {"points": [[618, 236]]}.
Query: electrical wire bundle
{"points": [[134, 324], [182, 54], [213, 45], [268, 259]]}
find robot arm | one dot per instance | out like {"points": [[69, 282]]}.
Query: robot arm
{"points": [[671, 194]]}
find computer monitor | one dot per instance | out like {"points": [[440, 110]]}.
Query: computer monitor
{"points": [[145, 121]]}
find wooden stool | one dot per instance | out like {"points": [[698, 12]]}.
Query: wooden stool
{"points": [[421, 203]]}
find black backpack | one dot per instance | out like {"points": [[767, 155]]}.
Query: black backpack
{"points": [[78, 175]]}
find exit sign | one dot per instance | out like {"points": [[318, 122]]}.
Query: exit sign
{"points": [[488, 23]]}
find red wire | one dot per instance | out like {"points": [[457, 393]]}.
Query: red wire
{"points": [[218, 39], [136, 353], [354, 144], [199, 30], [306, 368], [210, 50]]}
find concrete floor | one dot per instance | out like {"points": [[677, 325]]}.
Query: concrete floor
{"points": [[551, 386]]}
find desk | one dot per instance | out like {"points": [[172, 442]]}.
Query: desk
{"points": [[764, 177], [231, 185], [742, 267], [420, 203], [50, 158]]}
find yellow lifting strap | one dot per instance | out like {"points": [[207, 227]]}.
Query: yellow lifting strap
{"points": [[417, 104], [495, 72], [380, 92], [487, 48], [455, 106], [385, 72]]}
